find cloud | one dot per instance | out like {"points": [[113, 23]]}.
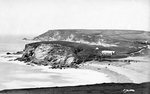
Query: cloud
{"points": [[36, 16]]}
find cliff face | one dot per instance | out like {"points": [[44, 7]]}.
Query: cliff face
{"points": [[57, 53], [54, 49], [96, 37], [60, 54], [49, 54]]}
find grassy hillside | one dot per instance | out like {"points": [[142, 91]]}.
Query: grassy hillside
{"points": [[89, 35], [120, 49], [109, 88]]}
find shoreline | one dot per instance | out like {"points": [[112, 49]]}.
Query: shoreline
{"points": [[69, 76], [91, 88], [114, 76], [121, 72], [111, 72]]}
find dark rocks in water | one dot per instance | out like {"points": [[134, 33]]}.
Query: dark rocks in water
{"points": [[8, 53], [21, 59], [15, 53], [24, 39], [19, 52]]}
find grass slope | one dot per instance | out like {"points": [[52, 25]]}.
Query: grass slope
{"points": [[109, 88], [108, 34]]}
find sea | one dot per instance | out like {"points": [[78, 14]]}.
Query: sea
{"points": [[17, 75]]}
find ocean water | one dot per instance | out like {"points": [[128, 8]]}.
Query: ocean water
{"points": [[15, 74], [11, 43]]}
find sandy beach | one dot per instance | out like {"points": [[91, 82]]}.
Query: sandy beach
{"points": [[92, 72], [25, 76], [20, 75], [123, 72]]}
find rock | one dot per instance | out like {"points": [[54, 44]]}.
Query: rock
{"points": [[42, 51], [19, 52], [24, 39], [20, 59], [70, 60], [56, 55], [8, 53], [15, 53], [40, 62]]}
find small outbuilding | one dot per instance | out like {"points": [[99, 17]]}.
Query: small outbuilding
{"points": [[108, 52]]}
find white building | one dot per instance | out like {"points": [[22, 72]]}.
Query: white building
{"points": [[108, 52]]}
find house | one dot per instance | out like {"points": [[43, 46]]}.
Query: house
{"points": [[107, 52]]}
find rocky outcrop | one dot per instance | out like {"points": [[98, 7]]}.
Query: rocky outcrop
{"points": [[24, 39], [54, 55], [14, 53], [60, 54], [57, 54]]}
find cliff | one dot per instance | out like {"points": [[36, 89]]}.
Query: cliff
{"points": [[68, 47], [60, 54]]}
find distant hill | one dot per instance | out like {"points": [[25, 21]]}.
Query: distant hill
{"points": [[102, 37]]}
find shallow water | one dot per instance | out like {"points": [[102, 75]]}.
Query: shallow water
{"points": [[15, 74]]}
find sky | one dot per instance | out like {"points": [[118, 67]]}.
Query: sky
{"points": [[34, 17]]}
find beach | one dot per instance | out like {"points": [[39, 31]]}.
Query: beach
{"points": [[92, 72], [123, 72], [17, 75]]}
